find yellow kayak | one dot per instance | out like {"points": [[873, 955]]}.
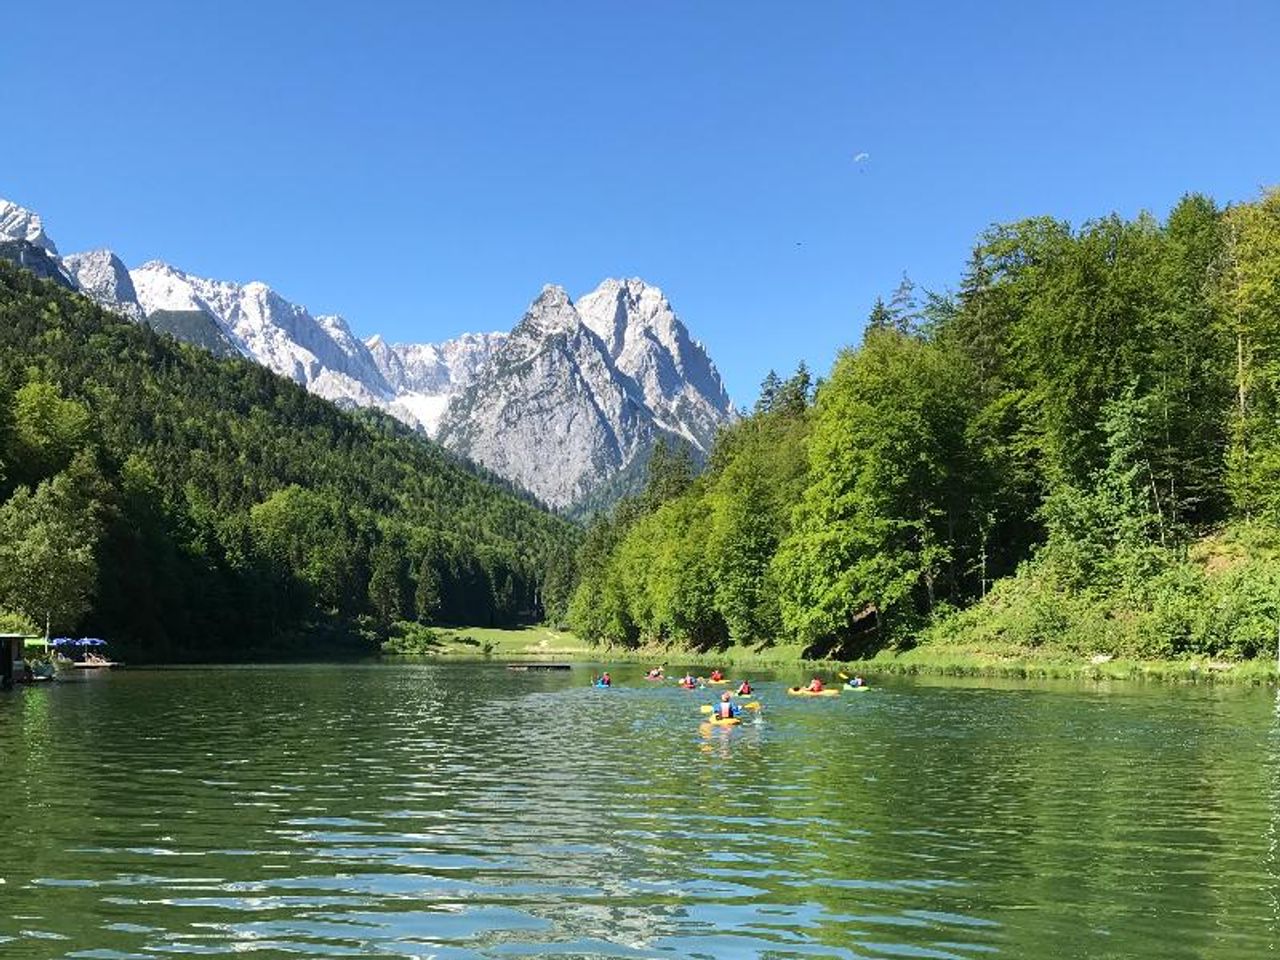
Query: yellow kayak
{"points": [[724, 721], [805, 692], [718, 683]]}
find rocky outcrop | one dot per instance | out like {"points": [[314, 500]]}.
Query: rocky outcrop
{"points": [[102, 275]]}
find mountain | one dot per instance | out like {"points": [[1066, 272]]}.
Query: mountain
{"points": [[36, 259], [19, 223], [99, 274], [102, 276], [426, 376], [226, 508], [195, 327], [648, 343], [568, 405], [580, 393], [320, 353]]}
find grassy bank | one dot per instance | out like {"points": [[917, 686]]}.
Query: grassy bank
{"points": [[1028, 665], [536, 642], [516, 643]]}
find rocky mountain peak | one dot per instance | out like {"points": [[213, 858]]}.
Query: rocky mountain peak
{"points": [[568, 404], [648, 343], [19, 223], [580, 392], [103, 276]]}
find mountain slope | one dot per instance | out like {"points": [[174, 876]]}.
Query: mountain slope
{"points": [[238, 507], [648, 343], [194, 327], [556, 412], [19, 223], [574, 427], [319, 353], [425, 376], [103, 277], [35, 259]]}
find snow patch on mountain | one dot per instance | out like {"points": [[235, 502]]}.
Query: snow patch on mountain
{"points": [[426, 376], [570, 403], [319, 352]]}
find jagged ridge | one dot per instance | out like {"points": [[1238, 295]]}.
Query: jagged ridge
{"points": [[565, 405]]}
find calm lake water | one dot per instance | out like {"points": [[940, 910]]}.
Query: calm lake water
{"points": [[465, 811]]}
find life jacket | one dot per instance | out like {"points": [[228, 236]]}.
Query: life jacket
{"points": [[724, 709], [744, 689]]}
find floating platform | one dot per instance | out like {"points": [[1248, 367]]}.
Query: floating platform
{"points": [[539, 666]]}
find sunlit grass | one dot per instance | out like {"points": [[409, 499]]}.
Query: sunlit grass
{"points": [[535, 642]]}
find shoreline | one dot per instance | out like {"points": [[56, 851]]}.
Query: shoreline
{"points": [[931, 660]]}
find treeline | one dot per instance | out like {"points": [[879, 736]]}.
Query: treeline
{"points": [[1085, 437], [185, 506]]}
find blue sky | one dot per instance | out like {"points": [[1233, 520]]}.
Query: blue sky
{"points": [[423, 168]]}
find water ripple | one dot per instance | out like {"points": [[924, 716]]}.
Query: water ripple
{"points": [[466, 812]]}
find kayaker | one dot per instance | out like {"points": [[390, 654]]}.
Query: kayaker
{"points": [[815, 685], [716, 676], [656, 673], [744, 689], [605, 680], [857, 681], [726, 709], [688, 681]]}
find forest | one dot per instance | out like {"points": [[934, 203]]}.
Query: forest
{"points": [[195, 508], [1078, 448]]}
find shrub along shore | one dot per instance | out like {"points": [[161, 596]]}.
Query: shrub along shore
{"points": [[542, 643]]}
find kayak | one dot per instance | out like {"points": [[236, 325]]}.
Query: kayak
{"points": [[803, 692], [687, 686], [724, 721], [745, 696], [719, 683], [860, 689]]}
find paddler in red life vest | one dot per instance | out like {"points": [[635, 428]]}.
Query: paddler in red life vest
{"points": [[726, 709], [815, 685], [744, 689], [716, 676]]}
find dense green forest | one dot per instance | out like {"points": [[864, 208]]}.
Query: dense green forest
{"points": [[187, 506], [1078, 449]]}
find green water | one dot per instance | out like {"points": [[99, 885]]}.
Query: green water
{"points": [[465, 811]]}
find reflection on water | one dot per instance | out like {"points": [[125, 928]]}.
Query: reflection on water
{"points": [[465, 811]]}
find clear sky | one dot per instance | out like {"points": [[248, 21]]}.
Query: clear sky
{"points": [[424, 168]]}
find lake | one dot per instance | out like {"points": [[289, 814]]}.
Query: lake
{"points": [[464, 811]]}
